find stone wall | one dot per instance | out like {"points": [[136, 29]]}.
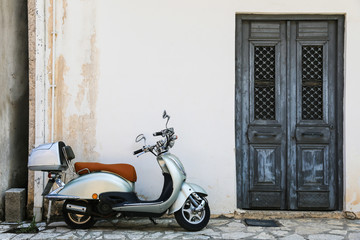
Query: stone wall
{"points": [[14, 96], [32, 62]]}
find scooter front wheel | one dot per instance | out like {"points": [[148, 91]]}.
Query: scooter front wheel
{"points": [[77, 219], [192, 219]]}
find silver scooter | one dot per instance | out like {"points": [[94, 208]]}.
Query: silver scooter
{"points": [[107, 190]]}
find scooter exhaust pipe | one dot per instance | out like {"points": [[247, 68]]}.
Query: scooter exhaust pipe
{"points": [[76, 208]]}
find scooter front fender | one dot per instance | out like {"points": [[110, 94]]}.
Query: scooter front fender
{"points": [[186, 190]]}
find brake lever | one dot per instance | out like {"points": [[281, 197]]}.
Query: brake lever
{"points": [[140, 154]]}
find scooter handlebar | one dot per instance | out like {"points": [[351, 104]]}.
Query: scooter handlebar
{"points": [[157, 134], [138, 151]]}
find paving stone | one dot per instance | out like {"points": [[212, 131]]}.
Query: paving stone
{"points": [[135, 236], [354, 236], [45, 235], [293, 229], [114, 236], [208, 232], [236, 235], [41, 228], [354, 224], [280, 233], [172, 236], [314, 229], [4, 228], [67, 236], [217, 222], [153, 236], [355, 229], [237, 224], [197, 237], [288, 223], [338, 232], [80, 232], [254, 229], [41, 224], [24, 225], [264, 235], [6, 236], [23, 236], [334, 222], [284, 229], [88, 236], [96, 234], [62, 229], [293, 237], [325, 237]]}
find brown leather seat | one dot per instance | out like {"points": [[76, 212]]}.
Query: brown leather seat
{"points": [[127, 171]]}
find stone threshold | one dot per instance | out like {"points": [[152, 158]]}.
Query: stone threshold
{"points": [[278, 214]]}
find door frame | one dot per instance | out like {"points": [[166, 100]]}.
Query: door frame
{"points": [[241, 179]]}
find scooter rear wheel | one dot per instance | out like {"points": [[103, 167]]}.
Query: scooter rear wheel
{"points": [[190, 219], [77, 220]]}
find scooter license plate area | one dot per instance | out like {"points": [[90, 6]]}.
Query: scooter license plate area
{"points": [[48, 187]]}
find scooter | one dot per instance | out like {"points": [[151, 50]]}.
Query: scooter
{"points": [[107, 190]]}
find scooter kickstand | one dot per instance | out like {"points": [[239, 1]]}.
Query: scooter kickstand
{"points": [[152, 220]]}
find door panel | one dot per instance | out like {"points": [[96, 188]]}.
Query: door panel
{"points": [[266, 127], [265, 176], [286, 135], [314, 132]]}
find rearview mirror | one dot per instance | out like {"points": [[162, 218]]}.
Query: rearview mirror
{"points": [[166, 116], [141, 137]]}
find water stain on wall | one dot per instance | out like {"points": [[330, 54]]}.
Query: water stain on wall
{"points": [[49, 69], [61, 97], [79, 129], [64, 7], [83, 126], [352, 192]]}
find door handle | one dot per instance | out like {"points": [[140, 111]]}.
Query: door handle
{"points": [[313, 134], [265, 134]]}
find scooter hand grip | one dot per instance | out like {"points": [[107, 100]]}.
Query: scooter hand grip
{"points": [[157, 134], [138, 151]]}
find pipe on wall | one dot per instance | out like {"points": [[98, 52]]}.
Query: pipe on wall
{"points": [[53, 85]]}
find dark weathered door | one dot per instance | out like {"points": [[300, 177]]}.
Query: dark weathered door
{"points": [[286, 116]]}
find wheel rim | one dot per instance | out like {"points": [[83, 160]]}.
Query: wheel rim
{"points": [[190, 215], [79, 218]]}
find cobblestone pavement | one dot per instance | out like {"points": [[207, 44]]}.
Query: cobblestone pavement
{"points": [[218, 228]]}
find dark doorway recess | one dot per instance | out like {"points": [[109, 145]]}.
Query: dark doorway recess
{"points": [[289, 111]]}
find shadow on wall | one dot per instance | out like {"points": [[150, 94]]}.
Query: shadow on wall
{"points": [[14, 97]]}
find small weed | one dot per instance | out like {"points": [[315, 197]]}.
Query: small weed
{"points": [[32, 228]]}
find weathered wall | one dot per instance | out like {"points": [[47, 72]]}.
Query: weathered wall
{"points": [[32, 61], [118, 64], [14, 96]]}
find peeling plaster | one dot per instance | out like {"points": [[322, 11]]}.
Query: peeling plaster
{"points": [[83, 126], [352, 190], [64, 7], [78, 130], [61, 97]]}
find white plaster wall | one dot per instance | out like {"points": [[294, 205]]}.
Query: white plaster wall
{"points": [[178, 56]]}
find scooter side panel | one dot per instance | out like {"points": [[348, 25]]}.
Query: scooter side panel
{"points": [[85, 186], [178, 179], [186, 190]]}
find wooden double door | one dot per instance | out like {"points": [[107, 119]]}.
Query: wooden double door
{"points": [[289, 112]]}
